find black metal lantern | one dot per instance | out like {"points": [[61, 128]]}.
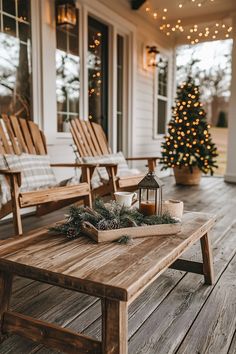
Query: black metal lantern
{"points": [[66, 13], [150, 195]]}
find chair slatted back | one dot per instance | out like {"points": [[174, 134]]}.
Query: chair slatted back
{"points": [[18, 135], [9, 134], [101, 138], [89, 138], [6, 147]]}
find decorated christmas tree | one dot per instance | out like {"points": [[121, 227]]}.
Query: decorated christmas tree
{"points": [[188, 142]]}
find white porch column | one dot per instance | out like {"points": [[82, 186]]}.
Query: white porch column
{"points": [[230, 175]]}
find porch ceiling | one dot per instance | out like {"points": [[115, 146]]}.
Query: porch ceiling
{"points": [[207, 15], [191, 13]]}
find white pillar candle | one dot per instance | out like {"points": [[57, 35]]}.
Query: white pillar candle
{"points": [[173, 207]]}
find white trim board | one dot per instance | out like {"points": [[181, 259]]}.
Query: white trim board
{"points": [[106, 14]]}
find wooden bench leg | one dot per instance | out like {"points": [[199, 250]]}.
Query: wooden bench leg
{"points": [[5, 295], [207, 257], [114, 327]]}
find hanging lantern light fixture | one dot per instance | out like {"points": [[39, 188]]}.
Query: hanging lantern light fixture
{"points": [[66, 13], [152, 56]]}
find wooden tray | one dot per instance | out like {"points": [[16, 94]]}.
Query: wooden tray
{"points": [[134, 232]]}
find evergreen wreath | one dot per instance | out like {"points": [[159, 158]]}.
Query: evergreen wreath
{"points": [[108, 216]]}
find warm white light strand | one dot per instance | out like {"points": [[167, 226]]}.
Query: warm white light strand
{"points": [[194, 34]]}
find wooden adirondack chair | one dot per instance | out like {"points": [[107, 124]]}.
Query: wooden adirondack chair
{"points": [[18, 136], [90, 140]]}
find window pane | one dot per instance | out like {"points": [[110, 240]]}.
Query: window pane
{"points": [[67, 75], [9, 6], [98, 72], [9, 26], [24, 10], [24, 32], [162, 76], [162, 110], [15, 64]]}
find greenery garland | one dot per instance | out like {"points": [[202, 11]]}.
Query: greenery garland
{"points": [[108, 216]]}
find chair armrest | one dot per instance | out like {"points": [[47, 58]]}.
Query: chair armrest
{"points": [[142, 158], [73, 165], [13, 177], [9, 172], [151, 161], [107, 165]]}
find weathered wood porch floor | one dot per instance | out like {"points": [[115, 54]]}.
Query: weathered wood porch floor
{"points": [[176, 314]]}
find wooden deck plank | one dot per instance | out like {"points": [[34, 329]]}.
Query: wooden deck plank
{"points": [[53, 305], [214, 327], [50, 334], [232, 348], [180, 308]]}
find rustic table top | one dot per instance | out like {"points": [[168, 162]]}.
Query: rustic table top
{"points": [[107, 270]]}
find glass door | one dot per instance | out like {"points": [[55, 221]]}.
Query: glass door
{"points": [[98, 72]]}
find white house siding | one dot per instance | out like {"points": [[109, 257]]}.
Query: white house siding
{"points": [[141, 137], [145, 143]]}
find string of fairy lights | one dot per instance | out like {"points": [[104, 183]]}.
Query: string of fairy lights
{"points": [[194, 34], [95, 78], [186, 134], [198, 3]]}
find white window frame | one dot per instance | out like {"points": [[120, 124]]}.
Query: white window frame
{"points": [[36, 63], [117, 25], [46, 89], [167, 98]]}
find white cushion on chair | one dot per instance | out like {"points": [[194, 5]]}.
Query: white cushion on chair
{"points": [[5, 194], [102, 176], [36, 171]]}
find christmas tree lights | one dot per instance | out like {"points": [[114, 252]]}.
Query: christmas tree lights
{"points": [[188, 142]]}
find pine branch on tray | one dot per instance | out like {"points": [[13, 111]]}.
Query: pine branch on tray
{"points": [[109, 216]]}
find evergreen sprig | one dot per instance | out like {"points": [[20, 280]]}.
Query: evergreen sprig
{"points": [[108, 216]]}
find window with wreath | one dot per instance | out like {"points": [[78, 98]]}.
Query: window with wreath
{"points": [[15, 58]]}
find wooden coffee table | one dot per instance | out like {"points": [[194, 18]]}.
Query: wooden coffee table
{"points": [[115, 273]]}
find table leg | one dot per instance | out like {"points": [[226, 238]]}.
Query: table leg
{"points": [[208, 269], [5, 295], [114, 327]]}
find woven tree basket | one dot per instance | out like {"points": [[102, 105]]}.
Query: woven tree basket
{"points": [[184, 177]]}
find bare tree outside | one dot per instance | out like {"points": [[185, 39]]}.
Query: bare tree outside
{"points": [[210, 65], [15, 59]]}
